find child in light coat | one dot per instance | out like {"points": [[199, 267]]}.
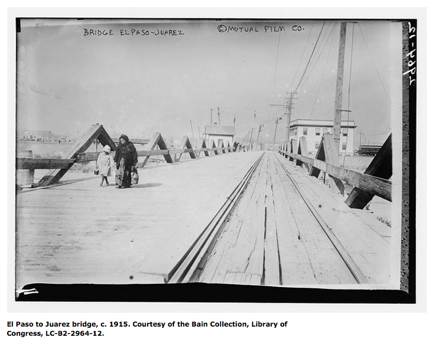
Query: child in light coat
{"points": [[104, 164]]}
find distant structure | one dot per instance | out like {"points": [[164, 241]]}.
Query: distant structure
{"points": [[217, 133], [314, 129], [43, 136], [368, 150], [39, 135]]}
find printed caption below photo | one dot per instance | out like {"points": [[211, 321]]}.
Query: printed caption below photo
{"points": [[101, 329]]}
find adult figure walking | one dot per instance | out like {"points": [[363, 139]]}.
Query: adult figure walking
{"points": [[125, 159]]}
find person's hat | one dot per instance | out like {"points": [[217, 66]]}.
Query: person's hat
{"points": [[107, 148]]}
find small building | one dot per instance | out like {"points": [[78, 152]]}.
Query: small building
{"points": [[217, 133], [368, 150], [314, 129], [42, 136]]}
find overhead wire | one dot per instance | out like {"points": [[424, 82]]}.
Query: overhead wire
{"points": [[301, 58], [320, 53], [373, 62], [323, 71], [310, 58]]}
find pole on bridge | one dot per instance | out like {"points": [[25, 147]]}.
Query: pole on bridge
{"points": [[339, 86], [275, 130], [250, 141], [257, 139]]}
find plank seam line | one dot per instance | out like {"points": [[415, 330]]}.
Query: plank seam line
{"points": [[352, 266], [186, 266]]}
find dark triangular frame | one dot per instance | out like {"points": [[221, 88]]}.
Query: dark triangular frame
{"points": [[95, 132]]}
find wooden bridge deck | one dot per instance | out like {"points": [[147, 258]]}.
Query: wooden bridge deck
{"points": [[78, 232], [287, 245]]}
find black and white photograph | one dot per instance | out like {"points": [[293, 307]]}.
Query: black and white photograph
{"points": [[196, 162], [217, 182], [248, 158]]}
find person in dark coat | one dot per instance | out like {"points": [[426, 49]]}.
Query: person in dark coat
{"points": [[125, 159]]}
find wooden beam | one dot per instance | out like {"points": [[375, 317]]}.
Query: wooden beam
{"points": [[294, 148], [105, 139], [320, 155], [96, 131], [43, 163], [220, 146], [211, 144], [302, 150], [157, 140], [136, 141], [380, 166], [371, 184], [186, 144], [328, 152], [204, 148], [24, 176]]}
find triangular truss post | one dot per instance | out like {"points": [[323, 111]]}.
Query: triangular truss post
{"points": [[302, 150], [157, 140]]}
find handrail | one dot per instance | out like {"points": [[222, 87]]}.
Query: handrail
{"points": [[374, 185], [25, 163]]}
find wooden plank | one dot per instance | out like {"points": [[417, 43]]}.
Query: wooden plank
{"points": [[331, 150], [365, 246], [373, 185], [320, 155], [96, 131], [293, 149], [43, 163], [380, 166], [194, 259], [219, 260], [247, 253], [136, 141], [186, 144], [204, 148], [271, 251], [221, 146], [294, 260], [376, 186], [96, 246], [302, 150], [242, 278], [370, 220], [157, 140], [24, 176], [211, 145], [324, 261], [93, 156]]}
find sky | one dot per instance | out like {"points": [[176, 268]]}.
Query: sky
{"points": [[147, 76]]}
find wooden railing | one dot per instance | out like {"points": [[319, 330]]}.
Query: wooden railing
{"points": [[374, 182], [60, 166]]}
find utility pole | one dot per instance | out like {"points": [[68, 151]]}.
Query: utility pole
{"points": [[339, 85], [275, 130], [218, 114], [198, 132], [250, 141], [289, 113], [259, 132], [288, 105], [211, 116]]}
